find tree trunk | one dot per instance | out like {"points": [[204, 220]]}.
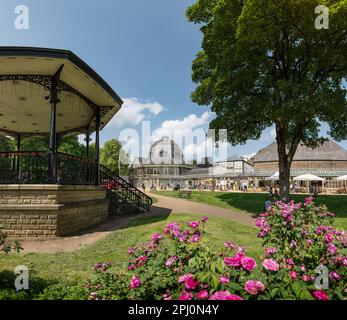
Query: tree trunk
{"points": [[284, 163]]}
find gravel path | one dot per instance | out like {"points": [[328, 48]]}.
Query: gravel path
{"points": [[164, 206], [181, 205]]}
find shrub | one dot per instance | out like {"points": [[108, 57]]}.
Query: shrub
{"points": [[179, 264], [6, 246]]}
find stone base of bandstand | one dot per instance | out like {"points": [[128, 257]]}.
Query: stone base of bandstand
{"points": [[46, 211]]}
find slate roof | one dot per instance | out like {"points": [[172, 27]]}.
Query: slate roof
{"points": [[330, 150]]}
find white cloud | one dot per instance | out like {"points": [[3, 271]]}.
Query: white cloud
{"points": [[190, 134], [181, 128], [134, 112]]}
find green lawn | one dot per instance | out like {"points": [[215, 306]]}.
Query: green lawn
{"points": [[254, 202], [77, 265]]}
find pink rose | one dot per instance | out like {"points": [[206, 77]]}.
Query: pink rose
{"points": [[224, 295], [190, 283], [204, 219], [308, 201], [131, 267], [156, 237], [233, 297], [306, 278], [320, 295], [195, 238], [167, 296], [248, 263], [293, 274], [184, 278], [234, 261], [270, 251], [194, 224], [310, 242], [332, 248], [223, 280], [169, 262], [203, 294], [186, 296], [328, 238], [229, 245], [135, 282], [254, 287], [270, 264]]}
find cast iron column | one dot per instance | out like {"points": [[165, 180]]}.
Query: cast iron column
{"points": [[87, 144], [52, 155], [97, 146], [88, 168], [18, 155]]}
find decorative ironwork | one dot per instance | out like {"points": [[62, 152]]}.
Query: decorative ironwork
{"points": [[23, 167], [31, 167], [45, 81], [127, 191]]}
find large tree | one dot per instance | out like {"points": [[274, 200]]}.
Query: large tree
{"points": [[109, 154], [263, 63]]}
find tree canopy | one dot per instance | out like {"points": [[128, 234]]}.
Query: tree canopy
{"points": [[6, 144], [264, 63]]}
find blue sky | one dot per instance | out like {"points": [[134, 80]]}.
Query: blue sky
{"points": [[142, 48]]}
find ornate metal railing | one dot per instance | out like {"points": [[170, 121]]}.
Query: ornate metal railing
{"points": [[127, 191], [23, 167], [74, 170], [31, 167]]}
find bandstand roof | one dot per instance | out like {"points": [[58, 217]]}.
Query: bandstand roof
{"points": [[25, 77]]}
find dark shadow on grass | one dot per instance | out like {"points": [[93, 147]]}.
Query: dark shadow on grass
{"points": [[122, 221], [249, 202], [8, 291]]}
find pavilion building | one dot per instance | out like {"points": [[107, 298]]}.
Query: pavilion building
{"points": [[327, 161], [166, 167]]}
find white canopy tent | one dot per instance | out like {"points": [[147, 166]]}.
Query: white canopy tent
{"points": [[308, 178], [274, 177]]}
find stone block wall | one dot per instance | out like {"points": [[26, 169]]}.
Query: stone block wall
{"points": [[50, 210]]}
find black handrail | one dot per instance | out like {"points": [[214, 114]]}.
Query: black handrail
{"points": [[31, 167], [115, 183]]}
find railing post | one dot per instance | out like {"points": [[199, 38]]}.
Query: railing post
{"points": [[97, 147], [18, 155], [87, 156], [52, 155]]}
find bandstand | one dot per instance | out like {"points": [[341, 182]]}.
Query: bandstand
{"points": [[53, 93]]}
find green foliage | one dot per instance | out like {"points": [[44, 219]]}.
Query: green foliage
{"points": [[35, 144], [109, 154], [6, 246], [263, 63], [6, 144], [184, 266], [72, 146], [39, 289]]}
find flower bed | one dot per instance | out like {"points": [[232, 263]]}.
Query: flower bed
{"points": [[179, 264]]}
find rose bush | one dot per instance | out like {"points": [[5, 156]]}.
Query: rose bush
{"points": [[180, 264]]}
